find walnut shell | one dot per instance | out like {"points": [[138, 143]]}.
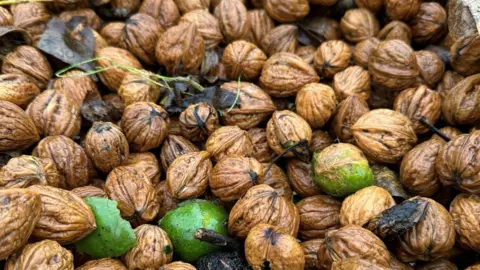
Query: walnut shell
{"points": [[178, 266], [174, 146], [430, 23], [283, 75], [473, 267], [393, 65], [353, 81], [372, 5], [25, 171], [137, 88], [354, 263], [188, 176], [261, 150], [115, 106], [359, 24], [320, 140], [91, 18], [282, 38], [262, 204], [229, 141], [310, 249], [318, 215], [101, 264], [207, 25], [6, 18], [69, 158], [363, 50], [419, 102], [260, 25], [233, 19], [188, 5], [431, 67], [32, 17], [255, 105], [112, 78], [45, 254], [180, 49], [449, 80], [100, 42], [153, 249], [300, 176], [402, 9], [332, 57], [285, 129], [384, 135], [146, 162], [243, 59], [316, 103], [76, 86], [363, 205], [164, 198], [306, 53], [437, 264], [18, 131], [65, 218], [464, 209], [347, 114], [89, 191], [450, 132], [233, 176], [461, 105], [106, 146], [20, 212], [54, 113], [164, 11], [271, 245], [18, 89], [465, 56], [456, 163], [286, 11], [29, 61], [198, 121], [278, 180], [396, 30], [133, 192], [111, 33]]}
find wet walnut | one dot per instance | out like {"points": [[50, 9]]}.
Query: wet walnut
{"points": [[6, 17], [431, 67], [174, 146], [106, 146], [269, 207], [372, 5], [105, 263], [289, 11], [461, 105], [261, 150], [332, 57], [260, 25], [153, 248], [347, 113], [46, 254], [306, 53], [464, 209], [353, 81], [278, 180], [229, 141], [20, 212], [465, 56], [136, 88], [419, 102], [310, 250], [18, 89], [188, 5], [146, 162], [109, 56], [65, 217], [300, 176], [273, 246], [360, 207], [198, 121], [316, 103], [164, 198], [402, 10], [89, 191], [32, 17], [318, 215], [180, 49], [282, 38], [456, 163], [134, 193], [448, 81], [396, 30], [243, 59], [384, 135], [111, 33], [254, 107], [25, 171], [393, 65], [359, 24], [29, 61], [188, 176], [76, 87], [54, 113], [233, 19], [164, 11], [430, 23], [233, 176], [363, 50]]}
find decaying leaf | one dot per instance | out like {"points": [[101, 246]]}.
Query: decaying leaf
{"points": [[388, 179]]}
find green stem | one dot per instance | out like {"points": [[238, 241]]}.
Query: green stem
{"points": [[236, 97]]}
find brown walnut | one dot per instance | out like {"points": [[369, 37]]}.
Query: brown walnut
{"points": [[188, 5], [461, 105], [243, 59], [76, 87], [164, 198], [353, 81], [363, 50], [207, 25], [359, 24], [198, 121], [278, 180], [354, 263], [396, 30], [282, 38], [110, 56], [91, 18], [115, 106], [146, 162], [332, 57], [430, 23], [372, 5], [178, 266], [347, 114], [318, 215], [431, 67], [464, 209], [310, 250], [443, 264], [32, 17], [164, 11], [300, 176], [233, 19], [136, 88], [316, 103], [112, 32], [448, 81], [101, 264], [229, 141], [402, 9], [451, 133], [287, 11], [46, 254], [18, 89], [323, 2], [261, 150], [260, 25], [25, 171], [306, 53], [6, 17], [89, 191], [320, 140], [465, 55], [174, 146]]}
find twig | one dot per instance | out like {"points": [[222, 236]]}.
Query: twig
{"points": [[427, 123], [216, 239], [301, 143]]}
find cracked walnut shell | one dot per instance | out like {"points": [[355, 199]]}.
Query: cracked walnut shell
{"points": [[318, 215], [17, 131], [282, 38], [18, 89], [316, 103], [359, 24], [332, 57], [207, 25], [233, 19], [107, 57], [25, 171], [285, 11], [46, 254], [198, 121], [464, 209], [229, 141], [347, 114], [243, 59], [353, 81]]}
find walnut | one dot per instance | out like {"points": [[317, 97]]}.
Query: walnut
{"points": [[255, 105], [146, 162], [89, 191], [174, 146], [229, 141], [396, 30], [360, 207], [465, 56], [105, 263], [300, 176], [136, 88], [180, 49], [431, 67], [188, 5], [404, 10], [306, 53], [110, 56], [318, 215], [437, 264], [233, 18], [353, 81], [164, 11], [178, 266], [207, 25], [323, 2], [384, 135], [284, 74], [75, 86], [198, 121], [282, 38], [260, 25], [464, 209], [451, 133], [354, 263], [106, 146], [115, 106], [373, 5], [91, 18], [278, 180], [332, 57], [347, 114], [18, 89], [243, 59], [6, 18], [32, 17], [310, 250], [461, 105], [67, 5], [100, 42], [164, 198], [286, 11], [316, 103], [111, 33], [25, 171], [29, 61], [363, 50], [393, 65], [261, 150], [271, 245], [359, 24], [42, 255], [119, 9], [269, 208], [430, 23], [449, 80], [70, 160]]}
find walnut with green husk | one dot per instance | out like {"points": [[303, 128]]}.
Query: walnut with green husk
{"points": [[318, 215], [396, 30], [347, 114], [261, 151], [25, 171], [174, 146], [332, 57], [300, 177], [198, 121], [275, 177], [359, 24], [18, 89], [282, 38], [316, 103], [229, 141]]}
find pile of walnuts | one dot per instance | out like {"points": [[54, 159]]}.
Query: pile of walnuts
{"points": [[394, 78]]}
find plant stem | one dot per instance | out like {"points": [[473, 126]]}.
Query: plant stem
{"points": [[301, 143], [216, 239], [434, 129], [236, 97]]}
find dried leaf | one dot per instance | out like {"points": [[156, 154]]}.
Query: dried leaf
{"points": [[94, 108], [388, 179], [11, 37]]}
